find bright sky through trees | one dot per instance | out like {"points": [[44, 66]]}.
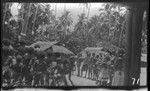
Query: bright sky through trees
{"points": [[74, 8]]}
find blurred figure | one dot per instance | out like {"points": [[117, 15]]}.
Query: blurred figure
{"points": [[71, 65], [96, 70], [27, 67], [90, 67], [104, 75], [41, 70], [36, 73], [118, 79], [79, 61]]}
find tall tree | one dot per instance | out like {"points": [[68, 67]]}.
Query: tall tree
{"points": [[27, 18], [35, 15], [65, 21], [56, 10]]}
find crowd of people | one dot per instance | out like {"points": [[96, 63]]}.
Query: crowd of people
{"points": [[32, 68], [104, 69]]}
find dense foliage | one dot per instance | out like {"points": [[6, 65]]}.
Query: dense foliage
{"points": [[38, 22]]}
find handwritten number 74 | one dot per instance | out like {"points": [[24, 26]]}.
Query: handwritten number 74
{"points": [[135, 81]]}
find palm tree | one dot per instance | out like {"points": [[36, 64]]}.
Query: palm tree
{"points": [[84, 7], [88, 7], [55, 9], [64, 7], [81, 24], [36, 11], [65, 21], [94, 23], [26, 19]]}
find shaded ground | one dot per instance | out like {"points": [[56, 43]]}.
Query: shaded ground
{"points": [[79, 81]]}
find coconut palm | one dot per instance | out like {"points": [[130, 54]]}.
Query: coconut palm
{"points": [[84, 7], [55, 9], [65, 21], [112, 21]]}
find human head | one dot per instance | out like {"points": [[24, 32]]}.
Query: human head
{"points": [[89, 54], [97, 56], [37, 61], [121, 53], [118, 65], [93, 54]]}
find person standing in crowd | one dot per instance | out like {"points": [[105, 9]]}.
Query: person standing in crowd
{"points": [[104, 75], [60, 70], [79, 61], [36, 73], [65, 64], [6, 69], [26, 68], [118, 79], [96, 70], [71, 65], [20, 65], [85, 64], [42, 68], [16, 68], [46, 74], [91, 63]]}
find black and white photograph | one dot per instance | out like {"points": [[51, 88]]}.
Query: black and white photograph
{"points": [[100, 44]]}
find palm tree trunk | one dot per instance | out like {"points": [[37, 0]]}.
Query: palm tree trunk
{"points": [[5, 10], [64, 7], [88, 12], [109, 27], [55, 9], [34, 18], [109, 33], [27, 20], [83, 9], [22, 16], [120, 37]]}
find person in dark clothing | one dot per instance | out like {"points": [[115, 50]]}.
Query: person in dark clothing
{"points": [[95, 67], [68, 67], [79, 61], [36, 73], [61, 69], [40, 70], [19, 61], [59, 74], [17, 70], [71, 65], [26, 69]]}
